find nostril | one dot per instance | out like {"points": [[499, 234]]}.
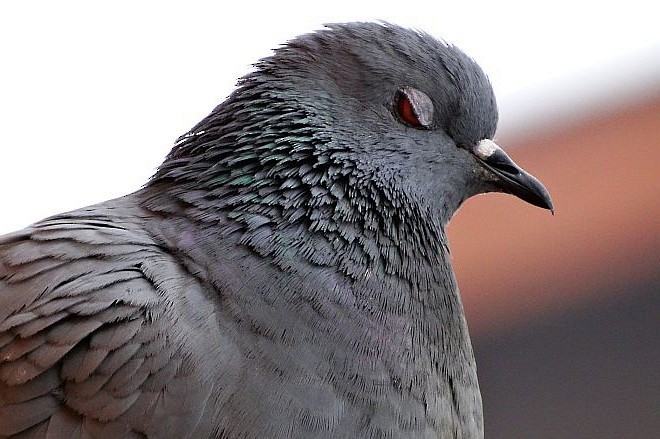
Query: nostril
{"points": [[500, 161]]}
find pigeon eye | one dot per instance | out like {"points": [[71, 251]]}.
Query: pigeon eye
{"points": [[407, 112], [414, 107]]}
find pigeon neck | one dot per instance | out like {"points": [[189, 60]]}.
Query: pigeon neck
{"points": [[272, 175], [356, 229]]}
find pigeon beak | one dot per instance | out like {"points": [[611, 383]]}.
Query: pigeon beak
{"points": [[512, 178]]}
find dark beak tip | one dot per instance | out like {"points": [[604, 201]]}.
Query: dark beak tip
{"points": [[551, 207], [539, 200], [544, 201], [535, 193]]}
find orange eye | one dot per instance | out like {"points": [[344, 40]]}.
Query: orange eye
{"points": [[406, 111]]}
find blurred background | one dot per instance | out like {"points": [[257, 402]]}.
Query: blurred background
{"points": [[564, 311]]}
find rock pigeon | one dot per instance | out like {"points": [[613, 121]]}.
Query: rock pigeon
{"points": [[284, 274]]}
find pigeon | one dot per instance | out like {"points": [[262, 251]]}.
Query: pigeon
{"points": [[285, 273]]}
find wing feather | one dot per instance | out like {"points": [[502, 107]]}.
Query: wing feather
{"points": [[102, 332]]}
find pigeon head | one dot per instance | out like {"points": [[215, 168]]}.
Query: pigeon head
{"points": [[360, 120]]}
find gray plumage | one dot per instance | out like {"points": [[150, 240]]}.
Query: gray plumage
{"points": [[284, 274]]}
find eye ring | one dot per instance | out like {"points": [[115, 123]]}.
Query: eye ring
{"points": [[414, 107]]}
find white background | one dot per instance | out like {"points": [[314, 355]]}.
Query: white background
{"points": [[93, 95]]}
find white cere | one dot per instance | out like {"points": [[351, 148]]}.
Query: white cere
{"points": [[486, 148]]}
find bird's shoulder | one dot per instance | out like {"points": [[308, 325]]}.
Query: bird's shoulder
{"points": [[103, 331]]}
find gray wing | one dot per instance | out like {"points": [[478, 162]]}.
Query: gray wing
{"points": [[102, 333]]}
